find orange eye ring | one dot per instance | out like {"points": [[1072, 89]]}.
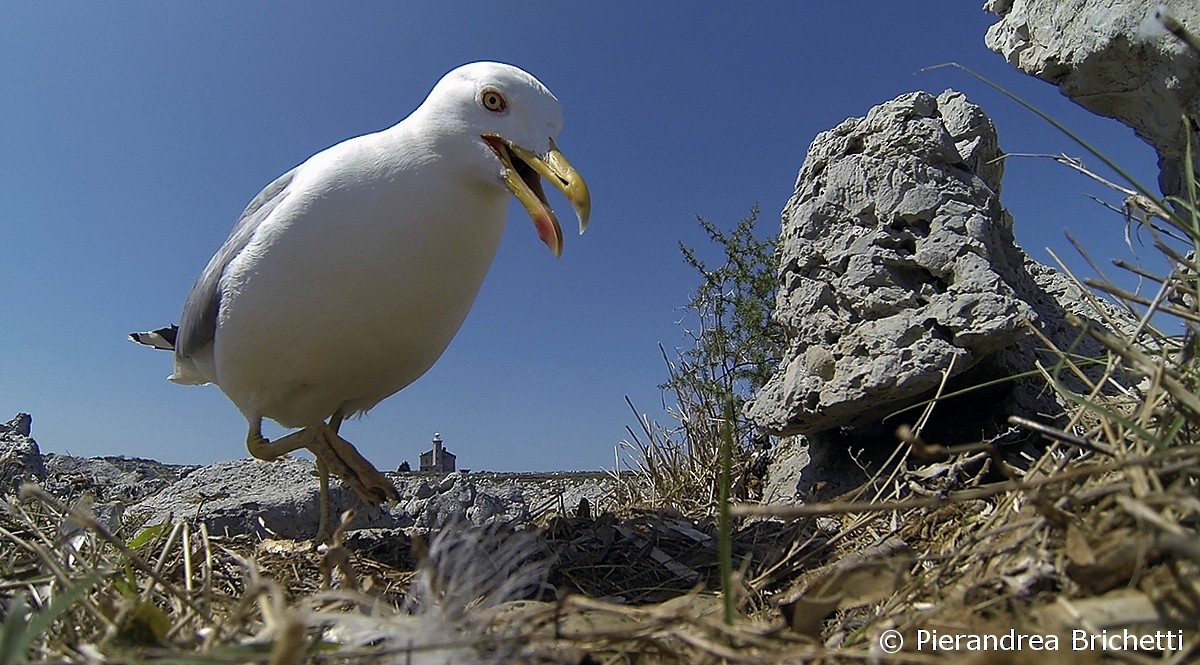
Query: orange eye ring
{"points": [[493, 101]]}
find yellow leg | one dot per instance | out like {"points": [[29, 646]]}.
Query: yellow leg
{"points": [[323, 531], [334, 455], [268, 451], [345, 462]]}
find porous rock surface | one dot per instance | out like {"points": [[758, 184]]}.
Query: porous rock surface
{"points": [[109, 479], [278, 499], [1112, 58], [20, 459], [281, 499], [897, 267]]}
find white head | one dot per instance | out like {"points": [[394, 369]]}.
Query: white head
{"points": [[507, 100], [512, 119]]}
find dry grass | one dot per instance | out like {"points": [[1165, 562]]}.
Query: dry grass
{"points": [[675, 468], [1078, 539], [1098, 533]]}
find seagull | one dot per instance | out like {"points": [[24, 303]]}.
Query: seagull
{"points": [[345, 279]]}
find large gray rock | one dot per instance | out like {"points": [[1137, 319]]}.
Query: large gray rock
{"points": [[278, 498], [115, 478], [20, 459], [1101, 55], [281, 498], [897, 267], [483, 498]]}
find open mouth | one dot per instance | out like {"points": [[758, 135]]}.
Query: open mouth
{"points": [[522, 174], [514, 162]]}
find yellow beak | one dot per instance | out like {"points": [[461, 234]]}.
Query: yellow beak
{"points": [[522, 169]]}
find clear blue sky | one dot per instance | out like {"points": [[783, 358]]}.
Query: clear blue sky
{"points": [[133, 134]]}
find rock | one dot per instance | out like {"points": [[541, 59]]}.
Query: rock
{"points": [[263, 498], [424, 491], [459, 498], [895, 262], [121, 479], [392, 547], [485, 508], [277, 498], [20, 425], [20, 459], [571, 498], [785, 475], [448, 483], [1101, 55], [898, 267]]}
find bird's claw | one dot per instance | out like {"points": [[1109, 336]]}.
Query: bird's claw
{"points": [[343, 460]]}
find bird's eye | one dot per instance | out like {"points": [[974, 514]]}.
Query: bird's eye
{"points": [[493, 101]]}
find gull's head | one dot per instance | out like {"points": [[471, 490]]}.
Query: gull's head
{"points": [[513, 120]]}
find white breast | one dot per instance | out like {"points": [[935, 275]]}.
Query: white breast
{"points": [[356, 284]]}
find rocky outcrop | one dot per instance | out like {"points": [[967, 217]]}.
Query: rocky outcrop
{"points": [[898, 267], [20, 459], [458, 499], [1112, 58], [278, 498], [248, 496], [109, 479], [281, 499]]}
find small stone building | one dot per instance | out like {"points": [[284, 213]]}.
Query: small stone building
{"points": [[437, 459]]}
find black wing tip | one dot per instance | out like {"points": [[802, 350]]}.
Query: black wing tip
{"points": [[163, 338]]}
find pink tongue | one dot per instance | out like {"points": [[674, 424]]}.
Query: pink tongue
{"points": [[546, 231]]}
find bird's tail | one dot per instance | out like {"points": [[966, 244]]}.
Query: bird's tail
{"points": [[163, 338]]}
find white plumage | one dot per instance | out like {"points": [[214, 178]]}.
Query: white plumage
{"points": [[346, 278]]}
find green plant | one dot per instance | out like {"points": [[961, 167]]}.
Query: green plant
{"points": [[23, 626], [736, 345]]}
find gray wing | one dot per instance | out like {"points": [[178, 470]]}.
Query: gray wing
{"points": [[198, 323]]}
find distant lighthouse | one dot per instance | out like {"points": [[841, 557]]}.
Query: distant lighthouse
{"points": [[437, 459]]}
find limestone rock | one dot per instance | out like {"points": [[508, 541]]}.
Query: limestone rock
{"points": [[1109, 58], [20, 425], [815, 467], [20, 459], [459, 498], [896, 261], [898, 266], [118, 478], [262, 498], [279, 498]]}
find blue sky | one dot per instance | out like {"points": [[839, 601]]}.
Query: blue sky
{"points": [[134, 133]]}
